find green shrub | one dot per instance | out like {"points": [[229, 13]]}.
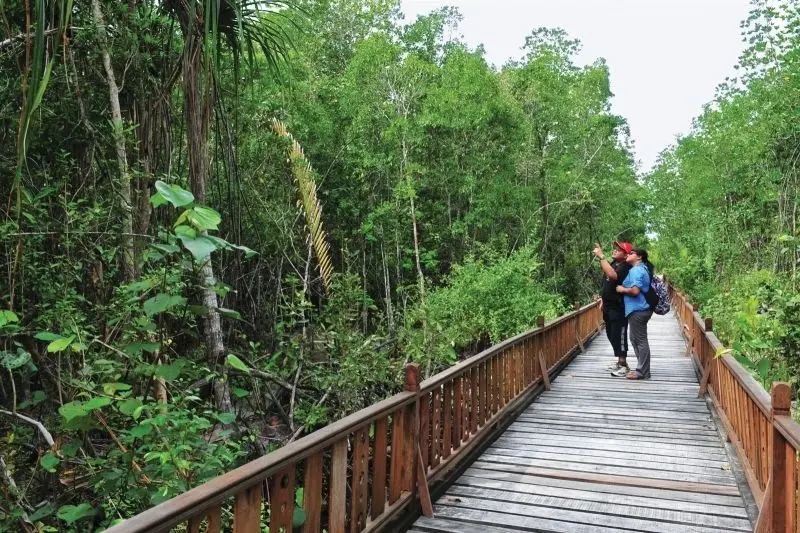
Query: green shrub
{"points": [[758, 316], [484, 301]]}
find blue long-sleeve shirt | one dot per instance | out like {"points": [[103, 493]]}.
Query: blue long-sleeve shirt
{"points": [[638, 276]]}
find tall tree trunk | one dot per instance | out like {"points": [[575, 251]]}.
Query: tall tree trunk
{"points": [[198, 91], [128, 268]]}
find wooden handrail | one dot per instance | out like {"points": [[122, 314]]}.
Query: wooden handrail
{"points": [[386, 453], [766, 438]]}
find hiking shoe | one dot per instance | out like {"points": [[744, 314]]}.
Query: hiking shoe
{"points": [[621, 372]]}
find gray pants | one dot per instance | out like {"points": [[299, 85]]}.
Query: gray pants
{"points": [[637, 324]]}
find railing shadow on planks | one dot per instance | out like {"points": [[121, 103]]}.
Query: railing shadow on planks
{"points": [[372, 469], [759, 425]]}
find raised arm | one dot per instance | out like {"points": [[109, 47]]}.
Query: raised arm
{"points": [[607, 269]]}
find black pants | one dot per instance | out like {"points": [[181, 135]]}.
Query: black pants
{"points": [[617, 332]]}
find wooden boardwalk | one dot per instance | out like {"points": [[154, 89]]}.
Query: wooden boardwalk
{"points": [[598, 454]]}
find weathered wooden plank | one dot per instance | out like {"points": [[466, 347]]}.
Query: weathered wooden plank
{"points": [[722, 478], [590, 492], [590, 517], [632, 461], [614, 479], [337, 489], [281, 504], [552, 427], [732, 501], [247, 510], [716, 462], [379, 469], [435, 453], [312, 493], [360, 481], [458, 416], [655, 514], [447, 422], [612, 444]]}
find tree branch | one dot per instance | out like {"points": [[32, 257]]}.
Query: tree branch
{"points": [[23, 36], [43, 430]]}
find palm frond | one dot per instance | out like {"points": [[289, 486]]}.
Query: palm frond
{"points": [[312, 209], [251, 25]]}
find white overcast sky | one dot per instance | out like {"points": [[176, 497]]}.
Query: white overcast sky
{"points": [[666, 57]]}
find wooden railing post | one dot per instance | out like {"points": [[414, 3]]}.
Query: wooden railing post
{"points": [[708, 363], [420, 481], [578, 319], [781, 494]]}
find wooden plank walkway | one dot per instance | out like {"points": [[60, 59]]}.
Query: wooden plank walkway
{"points": [[599, 454]]}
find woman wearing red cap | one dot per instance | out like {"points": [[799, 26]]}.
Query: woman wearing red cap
{"points": [[612, 303]]}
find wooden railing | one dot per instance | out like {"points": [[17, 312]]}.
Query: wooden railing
{"points": [[370, 468], [759, 425]]}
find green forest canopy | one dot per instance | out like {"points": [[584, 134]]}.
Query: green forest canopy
{"points": [[226, 228]]}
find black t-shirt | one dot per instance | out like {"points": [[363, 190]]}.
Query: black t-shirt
{"points": [[611, 298]]}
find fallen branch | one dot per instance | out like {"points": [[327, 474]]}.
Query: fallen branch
{"points": [[270, 376], [252, 372], [43, 430]]}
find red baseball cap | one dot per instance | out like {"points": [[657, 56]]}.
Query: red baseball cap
{"points": [[624, 246]]}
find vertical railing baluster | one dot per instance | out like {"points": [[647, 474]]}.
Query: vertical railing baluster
{"points": [[781, 497]]}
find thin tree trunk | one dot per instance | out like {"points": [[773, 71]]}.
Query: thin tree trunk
{"points": [[387, 287], [128, 270], [198, 113]]}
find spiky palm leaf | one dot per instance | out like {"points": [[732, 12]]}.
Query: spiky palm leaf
{"points": [[245, 25], [312, 209]]}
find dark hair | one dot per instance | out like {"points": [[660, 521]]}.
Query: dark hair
{"points": [[641, 252]]}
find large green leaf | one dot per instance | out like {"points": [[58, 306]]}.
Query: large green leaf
{"points": [[72, 410], [60, 345], [764, 366], [41, 512], [162, 302], [13, 361], [72, 513], [142, 430], [49, 461], [171, 193], [237, 364], [136, 348], [114, 387], [8, 317], [47, 336], [170, 372], [127, 407], [97, 402], [200, 247], [204, 218], [226, 418], [185, 231], [166, 248]]}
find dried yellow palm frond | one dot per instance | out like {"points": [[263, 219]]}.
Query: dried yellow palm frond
{"points": [[312, 209]]}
